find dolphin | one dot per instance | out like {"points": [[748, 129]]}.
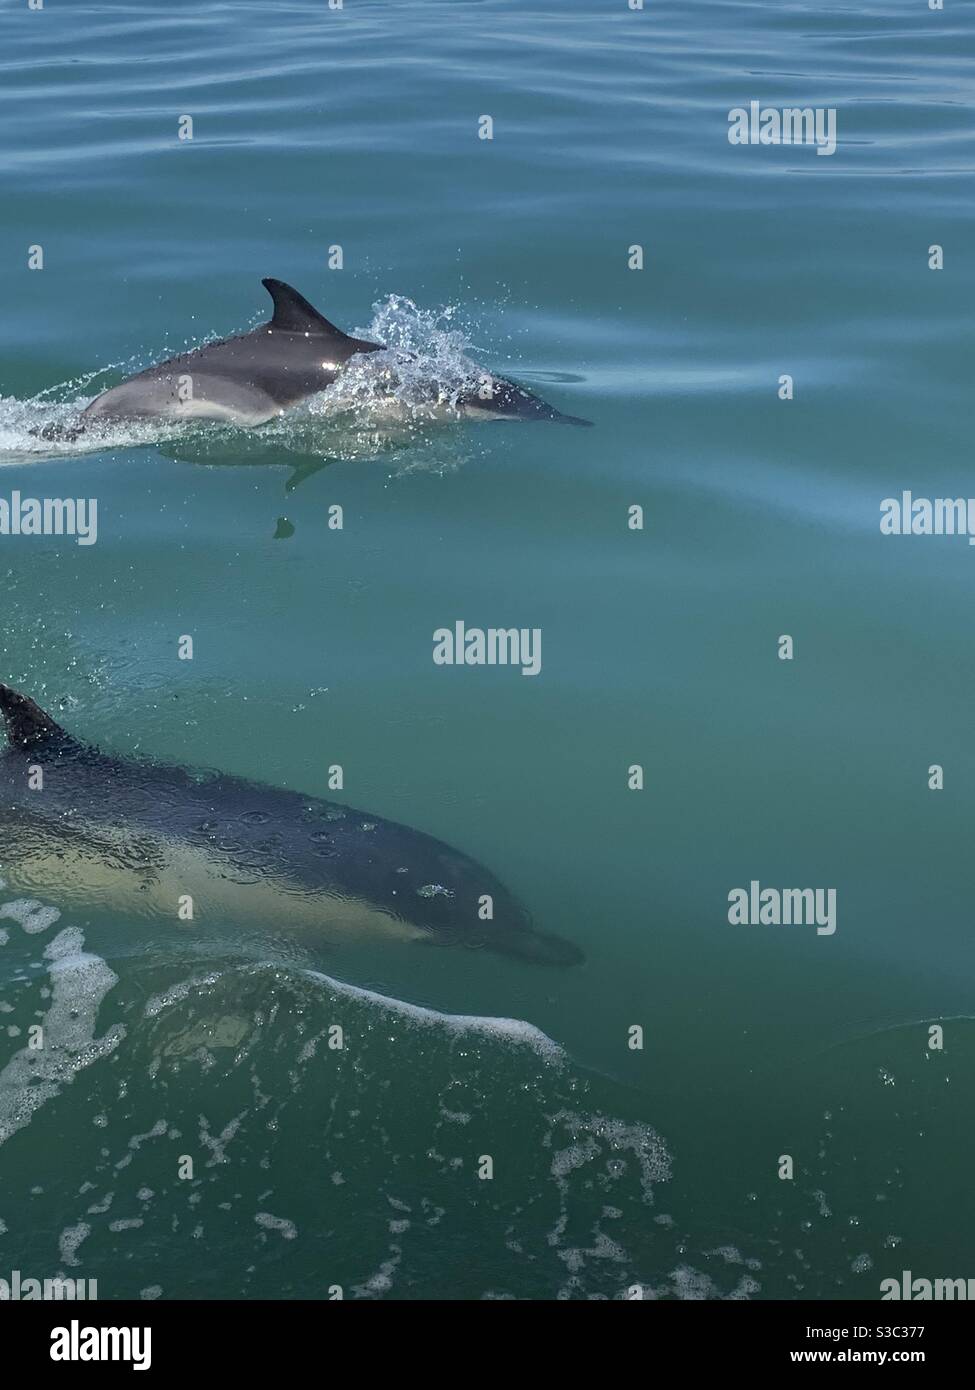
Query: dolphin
{"points": [[88, 829], [250, 379]]}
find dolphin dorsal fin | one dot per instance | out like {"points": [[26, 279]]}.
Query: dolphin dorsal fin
{"points": [[27, 724], [293, 314]]}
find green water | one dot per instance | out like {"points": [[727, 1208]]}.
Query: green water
{"points": [[612, 1167]]}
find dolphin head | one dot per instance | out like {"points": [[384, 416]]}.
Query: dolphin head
{"points": [[496, 398], [448, 896]]}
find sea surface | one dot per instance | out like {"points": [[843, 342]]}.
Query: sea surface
{"points": [[617, 1170]]}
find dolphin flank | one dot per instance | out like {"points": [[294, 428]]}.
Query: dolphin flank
{"points": [[89, 830], [251, 378]]}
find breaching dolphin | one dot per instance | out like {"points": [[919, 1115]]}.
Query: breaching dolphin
{"points": [[87, 829], [250, 379]]}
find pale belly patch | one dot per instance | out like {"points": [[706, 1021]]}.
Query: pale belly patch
{"points": [[151, 877], [214, 410]]}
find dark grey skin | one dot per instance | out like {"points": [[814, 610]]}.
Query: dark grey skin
{"points": [[250, 379], [135, 836]]}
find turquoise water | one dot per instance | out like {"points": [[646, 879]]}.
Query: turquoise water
{"points": [[315, 1168]]}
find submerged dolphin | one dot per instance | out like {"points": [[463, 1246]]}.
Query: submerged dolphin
{"points": [[139, 837], [252, 378]]}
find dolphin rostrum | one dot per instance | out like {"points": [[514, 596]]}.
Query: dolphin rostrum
{"points": [[256, 376], [89, 829]]}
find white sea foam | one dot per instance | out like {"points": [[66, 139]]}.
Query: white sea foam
{"points": [[592, 1134], [218, 1143], [514, 1030], [137, 1140], [176, 993], [70, 1240], [33, 1076], [69, 942], [33, 916], [382, 1281], [287, 1229]]}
